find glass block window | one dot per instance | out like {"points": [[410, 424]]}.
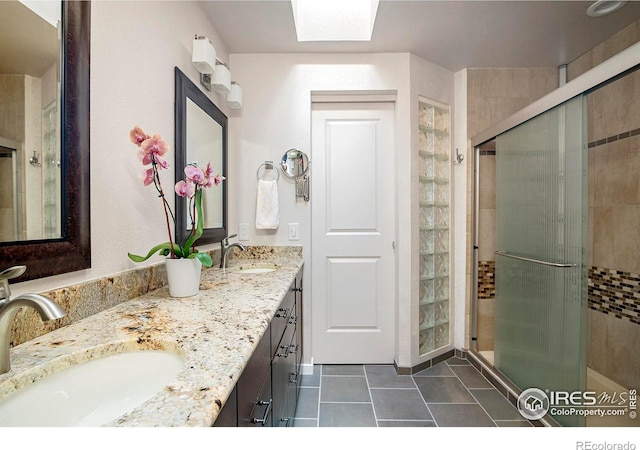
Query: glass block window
{"points": [[434, 125]]}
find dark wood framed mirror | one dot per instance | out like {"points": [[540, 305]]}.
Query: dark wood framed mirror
{"points": [[71, 251], [201, 137]]}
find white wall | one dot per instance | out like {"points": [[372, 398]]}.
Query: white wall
{"points": [[276, 116], [460, 194], [134, 48]]}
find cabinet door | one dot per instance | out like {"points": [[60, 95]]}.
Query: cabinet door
{"points": [[228, 416]]}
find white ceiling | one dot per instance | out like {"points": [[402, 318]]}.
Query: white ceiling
{"points": [[454, 34], [28, 44]]}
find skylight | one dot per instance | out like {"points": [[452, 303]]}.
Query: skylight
{"points": [[334, 20]]}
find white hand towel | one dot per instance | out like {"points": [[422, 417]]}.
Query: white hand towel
{"points": [[267, 210]]}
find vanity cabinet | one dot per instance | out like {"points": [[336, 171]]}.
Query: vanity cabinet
{"points": [[266, 393]]}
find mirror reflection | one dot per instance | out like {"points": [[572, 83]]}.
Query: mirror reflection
{"points": [[201, 137], [30, 173], [295, 163], [204, 144]]}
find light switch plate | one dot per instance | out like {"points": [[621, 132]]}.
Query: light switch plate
{"points": [[294, 232], [243, 232]]}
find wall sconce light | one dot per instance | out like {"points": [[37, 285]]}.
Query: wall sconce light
{"points": [[234, 97], [221, 78], [203, 55]]}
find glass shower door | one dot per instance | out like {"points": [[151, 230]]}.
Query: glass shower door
{"points": [[541, 280]]}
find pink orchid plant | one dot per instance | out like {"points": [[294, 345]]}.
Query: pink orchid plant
{"points": [[151, 153]]}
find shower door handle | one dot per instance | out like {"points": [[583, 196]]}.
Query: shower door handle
{"points": [[531, 260]]}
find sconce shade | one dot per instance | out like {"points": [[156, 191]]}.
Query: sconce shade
{"points": [[203, 56], [234, 97], [222, 79]]}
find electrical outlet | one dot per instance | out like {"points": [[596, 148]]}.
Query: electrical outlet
{"points": [[293, 232], [243, 232]]}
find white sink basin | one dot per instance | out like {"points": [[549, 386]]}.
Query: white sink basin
{"points": [[92, 393], [261, 268]]}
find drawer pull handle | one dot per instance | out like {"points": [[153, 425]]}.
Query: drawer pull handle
{"points": [[282, 312], [293, 348], [293, 378], [297, 289], [287, 348], [267, 410]]}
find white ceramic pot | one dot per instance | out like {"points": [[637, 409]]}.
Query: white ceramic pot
{"points": [[183, 276]]}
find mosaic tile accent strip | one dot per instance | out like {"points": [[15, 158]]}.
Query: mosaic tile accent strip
{"points": [[615, 137], [486, 279], [615, 292]]}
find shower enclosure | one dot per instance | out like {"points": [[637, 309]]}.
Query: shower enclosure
{"points": [[540, 273], [556, 181]]}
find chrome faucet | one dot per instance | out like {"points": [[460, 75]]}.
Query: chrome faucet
{"points": [[225, 249], [47, 308]]}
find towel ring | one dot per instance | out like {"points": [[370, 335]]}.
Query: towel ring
{"points": [[268, 165]]}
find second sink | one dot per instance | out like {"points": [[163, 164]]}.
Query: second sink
{"points": [[257, 268]]}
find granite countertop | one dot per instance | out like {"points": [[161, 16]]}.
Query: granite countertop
{"points": [[215, 332]]}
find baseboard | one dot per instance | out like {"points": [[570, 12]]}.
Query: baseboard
{"points": [[307, 369]]}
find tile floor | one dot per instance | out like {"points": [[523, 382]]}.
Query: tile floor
{"points": [[450, 394]]}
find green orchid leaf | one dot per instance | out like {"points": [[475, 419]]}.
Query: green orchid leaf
{"points": [[162, 248], [204, 258]]}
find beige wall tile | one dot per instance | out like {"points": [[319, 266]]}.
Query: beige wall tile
{"points": [[12, 107], [487, 235], [616, 241], [591, 161], [486, 323], [542, 81], [604, 229], [613, 348], [580, 65], [488, 182], [591, 236], [616, 173], [491, 110], [626, 239], [620, 41], [616, 107]]}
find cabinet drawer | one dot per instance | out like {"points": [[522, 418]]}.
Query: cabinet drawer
{"points": [[281, 319]]}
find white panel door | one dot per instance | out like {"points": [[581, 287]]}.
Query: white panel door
{"points": [[353, 220]]}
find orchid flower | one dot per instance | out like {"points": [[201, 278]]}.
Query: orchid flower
{"points": [[151, 151]]}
